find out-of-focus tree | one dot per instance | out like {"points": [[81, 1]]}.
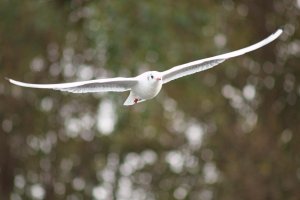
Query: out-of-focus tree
{"points": [[227, 133]]}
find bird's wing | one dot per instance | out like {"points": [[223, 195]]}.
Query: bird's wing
{"points": [[207, 63], [100, 85]]}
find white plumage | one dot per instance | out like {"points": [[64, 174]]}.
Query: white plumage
{"points": [[147, 85]]}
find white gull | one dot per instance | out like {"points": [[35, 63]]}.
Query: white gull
{"points": [[148, 84]]}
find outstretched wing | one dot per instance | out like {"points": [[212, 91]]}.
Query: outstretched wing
{"points": [[100, 85], [207, 63]]}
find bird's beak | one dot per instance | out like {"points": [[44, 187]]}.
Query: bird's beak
{"points": [[159, 79]]}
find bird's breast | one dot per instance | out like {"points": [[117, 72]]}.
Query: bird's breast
{"points": [[146, 90]]}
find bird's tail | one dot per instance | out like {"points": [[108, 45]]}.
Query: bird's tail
{"points": [[132, 99]]}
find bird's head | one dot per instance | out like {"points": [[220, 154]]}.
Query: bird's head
{"points": [[153, 77]]}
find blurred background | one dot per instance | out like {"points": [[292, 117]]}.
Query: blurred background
{"points": [[231, 132]]}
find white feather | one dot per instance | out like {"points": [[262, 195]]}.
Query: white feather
{"points": [[148, 84], [207, 63], [100, 85]]}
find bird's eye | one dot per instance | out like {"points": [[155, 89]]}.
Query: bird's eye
{"points": [[152, 76]]}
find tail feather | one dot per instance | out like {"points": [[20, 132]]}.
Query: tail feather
{"points": [[132, 99]]}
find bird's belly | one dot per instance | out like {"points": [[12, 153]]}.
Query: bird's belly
{"points": [[147, 92]]}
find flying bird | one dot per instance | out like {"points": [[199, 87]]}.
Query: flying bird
{"points": [[148, 84]]}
